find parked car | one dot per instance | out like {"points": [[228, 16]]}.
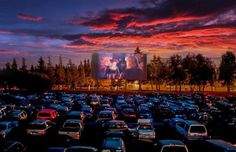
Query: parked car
{"points": [[192, 130], [47, 114], [13, 146], [217, 145], [75, 115], [115, 126], [40, 127], [113, 144], [72, 128], [7, 128], [170, 146], [56, 149], [145, 129], [81, 149]]}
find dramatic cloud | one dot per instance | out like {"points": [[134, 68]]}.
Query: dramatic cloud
{"points": [[29, 17]]}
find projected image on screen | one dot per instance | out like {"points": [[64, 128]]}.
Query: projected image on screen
{"points": [[119, 66]]}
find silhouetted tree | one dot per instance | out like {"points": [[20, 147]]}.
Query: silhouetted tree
{"points": [[14, 66], [41, 66], [177, 72], [50, 71], [60, 73], [23, 66]]}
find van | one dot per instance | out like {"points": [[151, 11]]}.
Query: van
{"points": [[192, 130]]}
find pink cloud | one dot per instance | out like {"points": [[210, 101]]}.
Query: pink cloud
{"points": [[29, 17]]}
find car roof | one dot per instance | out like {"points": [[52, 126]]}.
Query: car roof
{"points": [[39, 121], [192, 122], [171, 142], [74, 113], [112, 142], [73, 121], [222, 144], [47, 110], [90, 148]]}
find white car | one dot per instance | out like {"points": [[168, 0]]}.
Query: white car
{"points": [[192, 130], [39, 127], [72, 128]]}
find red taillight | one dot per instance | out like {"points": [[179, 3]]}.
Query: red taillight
{"points": [[78, 135]]}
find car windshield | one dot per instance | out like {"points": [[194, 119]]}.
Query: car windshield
{"points": [[197, 129], [3, 127], [44, 114], [37, 126], [174, 149], [71, 125]]}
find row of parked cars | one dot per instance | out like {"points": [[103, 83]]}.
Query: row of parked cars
{"points": [[120, 123]]}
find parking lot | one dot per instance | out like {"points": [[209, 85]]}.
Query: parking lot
{"points": [[58, 121]]}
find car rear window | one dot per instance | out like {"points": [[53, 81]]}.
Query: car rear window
{"points": [[71, 125], [174, 149], [197, 129], [37, 126]]}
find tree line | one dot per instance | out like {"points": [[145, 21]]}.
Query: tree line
{"points": [[45, 75], [194, 70]]}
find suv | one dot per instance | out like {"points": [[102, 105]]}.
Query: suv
{"points": [[39, 127], [72, 128], [192, 130], [171, 145]]}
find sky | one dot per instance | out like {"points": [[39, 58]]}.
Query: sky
{"points": [[74, 29]]}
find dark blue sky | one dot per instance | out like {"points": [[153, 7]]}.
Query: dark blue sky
{"points": [[76, 28]]}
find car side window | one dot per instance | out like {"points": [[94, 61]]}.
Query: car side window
{"points": [[186, 128]]}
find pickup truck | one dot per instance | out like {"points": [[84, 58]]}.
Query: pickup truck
{"points": [[72, 128]]}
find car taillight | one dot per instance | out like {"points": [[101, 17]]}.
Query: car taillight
{"points": [[4, 134], [78, 135]]}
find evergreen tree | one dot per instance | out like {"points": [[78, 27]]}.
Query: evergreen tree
{"points": [[14, 65], [50, 71], [41, 65], [60, 73], [23, 66]]}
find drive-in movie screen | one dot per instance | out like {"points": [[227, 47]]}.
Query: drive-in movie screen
{"points": [[128, 66]]}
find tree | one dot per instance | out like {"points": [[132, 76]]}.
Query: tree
{"points": [[8, 66], [41, 66], [177, 73], [23, 66], [50, 71], [14, 66], [227, 69], [60, 73]]}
